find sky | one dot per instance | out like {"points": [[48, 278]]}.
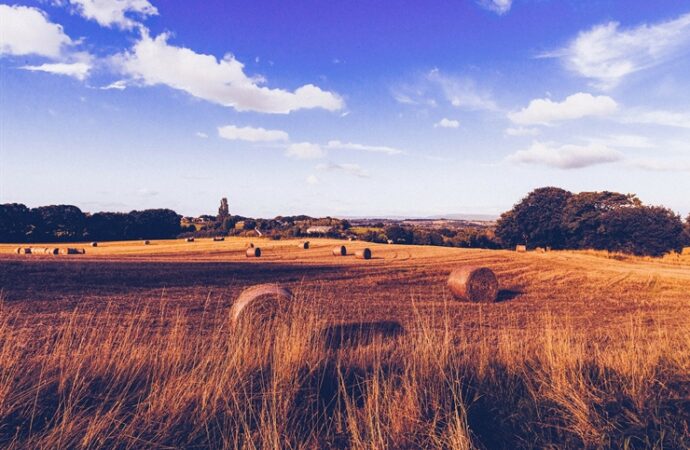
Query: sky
{"points": [[357, 108]]}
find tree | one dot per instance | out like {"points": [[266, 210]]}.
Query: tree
{"points": [[153, 224], [58, 223], [536, 221], [686, 232], [583, 216], [16, 222], [642, 230], [223, 210], [398, 234], [107, 226]]}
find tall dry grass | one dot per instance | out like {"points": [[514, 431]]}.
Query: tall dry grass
{"points": [[156, 378]]}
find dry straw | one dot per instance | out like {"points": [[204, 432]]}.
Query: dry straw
{"points": [[363, 254], [475, 284]]}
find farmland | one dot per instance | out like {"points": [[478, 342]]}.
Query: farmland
{"points": [[581, 349]]}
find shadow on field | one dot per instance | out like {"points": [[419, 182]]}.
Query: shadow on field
{"points": [[508, 294]]}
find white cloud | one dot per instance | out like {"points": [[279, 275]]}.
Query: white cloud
{"points": [[351, 169], [27, 31], [113, 12], [312, 179], [658, 117], [305, 150], [624, 141], [118, 85], [661, 165], [201, 134], [462, 92], [78, 70], [251, 134], [521, 131], [607, 53], [447, 123], [153, 61], [543, 111], [498, 6], [566, 156], [338, 145]]}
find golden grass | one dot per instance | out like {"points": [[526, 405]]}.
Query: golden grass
{"points": [[152, 379]]}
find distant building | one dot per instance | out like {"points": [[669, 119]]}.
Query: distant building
{"points": [[319, 229]]}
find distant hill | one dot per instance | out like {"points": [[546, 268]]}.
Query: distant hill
{"points": [[468, 217]]}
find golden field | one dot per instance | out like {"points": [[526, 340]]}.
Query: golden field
{"points": [[130, 346]]}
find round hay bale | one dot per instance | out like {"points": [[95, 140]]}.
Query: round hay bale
{"points": [[475, 284], [254, 252], [52, 251], [190, 239], [250, 245], [19, 250], [540, 250], [260, 303], [72, 251], [218, 238], [303, 245], [94, 244], [521, 248], [390, 241], [363, 254], [340, 250], [147, 242]]}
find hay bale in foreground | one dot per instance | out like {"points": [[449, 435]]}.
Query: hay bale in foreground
{"points": [[261, 303], [521, 248], [475, 284], [340, 250], [94, 244], [363, 254], [218, 239], [72, 251], [303, 245], [190, 239], [254, 252]]}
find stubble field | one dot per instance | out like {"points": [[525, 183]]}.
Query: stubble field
{"points": [[130, 346]]}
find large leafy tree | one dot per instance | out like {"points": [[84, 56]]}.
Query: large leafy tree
{"points": [[58, 223], [583, 215], [536, 221], [642, 230], [16, 222]]}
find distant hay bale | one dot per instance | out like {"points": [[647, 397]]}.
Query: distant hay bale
{"points": [[521, 248], [261, 303], [686, 251], [250, 245], [351, 238], [475, 284], [218, 238], [72, 251], [254, 252], [303, 245], [147, 242], [52, 251], [37, 251], [340, 250], [540, 250], [390, 241], [23, 251], [94, 244], [363, 254], [190, 239]]}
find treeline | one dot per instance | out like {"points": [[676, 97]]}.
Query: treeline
{"points": [[67, 223], [553, 217], [464, 237]]}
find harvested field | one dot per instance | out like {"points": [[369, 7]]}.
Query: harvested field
{"points": [[580, 349]]}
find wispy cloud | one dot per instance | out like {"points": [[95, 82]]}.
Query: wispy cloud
{"points": [[78, 70], [674, 119], [338, 145], [351, 169], [521, 131], [305, 150], [661, 165], [463, 92], [251, 134], [498, 6], [566, 156], [153, 61], [544, 111], [607, 53], [201, 134], [447, 123]]}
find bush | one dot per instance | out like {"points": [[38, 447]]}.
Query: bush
{"points": [[644, 230]]}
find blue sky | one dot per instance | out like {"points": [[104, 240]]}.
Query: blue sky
{"points": [[341, 108]]}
